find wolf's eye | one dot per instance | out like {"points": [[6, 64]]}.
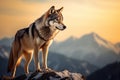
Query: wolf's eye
{"points": [[55, 20]]}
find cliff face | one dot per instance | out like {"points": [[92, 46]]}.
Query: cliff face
{"points": [[53, 75]]}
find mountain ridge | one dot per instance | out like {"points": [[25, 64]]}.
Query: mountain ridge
{"points": [[89, 46]]}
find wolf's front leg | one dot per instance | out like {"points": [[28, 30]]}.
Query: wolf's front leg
{"points": [[36, 59], [44, 57]]}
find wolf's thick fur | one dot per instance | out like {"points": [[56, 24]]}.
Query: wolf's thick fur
{"points": [[38, 36]]}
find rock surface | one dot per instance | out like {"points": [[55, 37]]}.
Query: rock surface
{"points": [[53, 75]]}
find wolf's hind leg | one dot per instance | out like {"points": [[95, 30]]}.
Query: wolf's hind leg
{"points": [[28, 58], [15, 64]]}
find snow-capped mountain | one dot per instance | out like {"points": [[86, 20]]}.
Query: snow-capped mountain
{"points": [[90, 47], [106, 44]]}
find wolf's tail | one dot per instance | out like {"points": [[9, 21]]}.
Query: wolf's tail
{"points": [[14, 59]]}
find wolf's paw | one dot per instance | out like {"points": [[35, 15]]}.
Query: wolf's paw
{"points": [[6, 77], [38, 70], [48, 70]]}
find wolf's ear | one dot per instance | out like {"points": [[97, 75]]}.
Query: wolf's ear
{"points": [[51, 10], [59, 10]]}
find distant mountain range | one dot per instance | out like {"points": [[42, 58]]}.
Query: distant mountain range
{"points": [[90, 47], [109, 72]]}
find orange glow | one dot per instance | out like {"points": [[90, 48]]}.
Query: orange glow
{"points": [[80, 16]]}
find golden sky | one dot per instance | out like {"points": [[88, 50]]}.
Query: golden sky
{"points": [[80, 16]]}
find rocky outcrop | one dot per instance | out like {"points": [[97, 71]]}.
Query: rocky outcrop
{"points": [[52, 75]]}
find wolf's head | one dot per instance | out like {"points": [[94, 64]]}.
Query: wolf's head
{"points": [[54, 18]]}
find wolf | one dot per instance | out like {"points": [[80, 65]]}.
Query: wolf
{"points": [[37, 37]]}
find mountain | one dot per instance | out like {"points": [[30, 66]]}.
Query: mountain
{"points": [[3, 60], [3, 52], [90, 47], [56, 61], [6, 41], [109, 72], [118, 46]]}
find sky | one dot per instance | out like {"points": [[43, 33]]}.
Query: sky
{"points": [[80, 16]]}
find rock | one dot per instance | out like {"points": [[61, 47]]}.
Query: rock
{"points": [[52, 75]]}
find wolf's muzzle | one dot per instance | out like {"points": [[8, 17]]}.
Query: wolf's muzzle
{"points": [[63, 27]]}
